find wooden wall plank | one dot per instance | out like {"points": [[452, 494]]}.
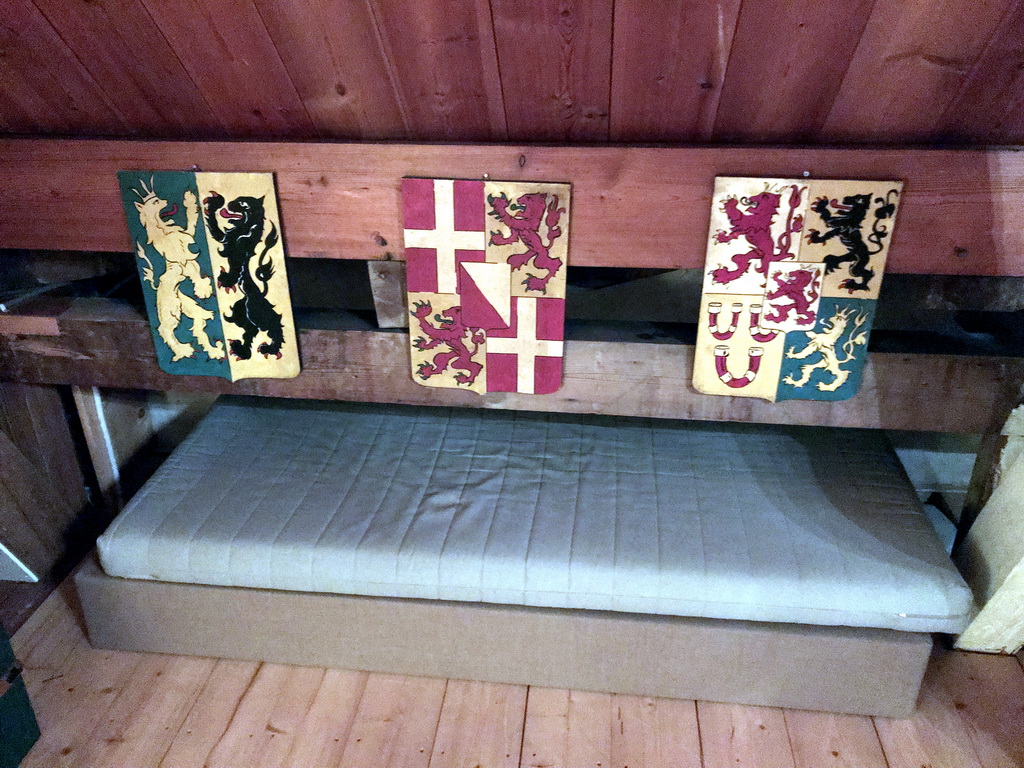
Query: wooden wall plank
{"points": [[227, 52], [785, 66], [34, 418], [668, 68], [555, 63], [32, 100], [336, 60], [42, 490], [899, 391], [990, 104], [911, 61], [445, 67], [122, 48], [31, 512], [960, 215]]}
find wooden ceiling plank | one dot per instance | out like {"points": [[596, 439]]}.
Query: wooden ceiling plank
{"points": [[445, 67], [123, 49], [555, 59], [638, 207], [231, 58], [909, 65], [990, 105], [785, 66], [668, 68], [32, 98], [335, 59]]}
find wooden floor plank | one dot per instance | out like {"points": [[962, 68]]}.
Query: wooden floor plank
{"points": [[655, 733], [822, 740], [263, 727], [971, 713], [567, 728], [395, 723], [148, 713], [481, 725], [320, 740], [71, 706], [211, 714], [48, 643], [733, 736]]}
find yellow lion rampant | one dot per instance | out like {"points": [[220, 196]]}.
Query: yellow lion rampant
{"points": [[173, 242], [824, 343]]}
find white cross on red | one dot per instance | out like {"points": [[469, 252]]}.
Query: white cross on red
{"points": [[525, 345], [444, 238]]}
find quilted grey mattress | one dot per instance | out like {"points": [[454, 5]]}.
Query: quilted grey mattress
{"points": [[776, 524]]}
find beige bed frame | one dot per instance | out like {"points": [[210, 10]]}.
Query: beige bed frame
{"points": [[836, 669]]}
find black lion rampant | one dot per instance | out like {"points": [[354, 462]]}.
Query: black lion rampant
{"points": [[253, 312], [845, 221]]}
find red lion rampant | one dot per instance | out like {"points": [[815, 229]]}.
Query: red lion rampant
{"points": [[801, 289], [755, 224], [451, 332], [523, 218]]}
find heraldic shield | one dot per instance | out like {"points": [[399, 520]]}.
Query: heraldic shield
{"points": [[791, 280], [211, 258], [486, 264]]}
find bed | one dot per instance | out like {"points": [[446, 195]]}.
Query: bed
{"points": [[714, 561]]}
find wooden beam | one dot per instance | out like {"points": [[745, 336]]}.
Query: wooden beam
{"points": [[387, 281], [109, 345], [632, 206], [992, 561]]}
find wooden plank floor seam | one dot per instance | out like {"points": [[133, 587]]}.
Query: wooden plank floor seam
{"points": [[874, 725], [206, 757], [433, 743], [522, 731]]}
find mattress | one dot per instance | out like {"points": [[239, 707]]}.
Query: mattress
{"points": [[762, 523]]}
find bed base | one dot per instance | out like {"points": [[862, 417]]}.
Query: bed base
{"points": [[835, 669]]}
